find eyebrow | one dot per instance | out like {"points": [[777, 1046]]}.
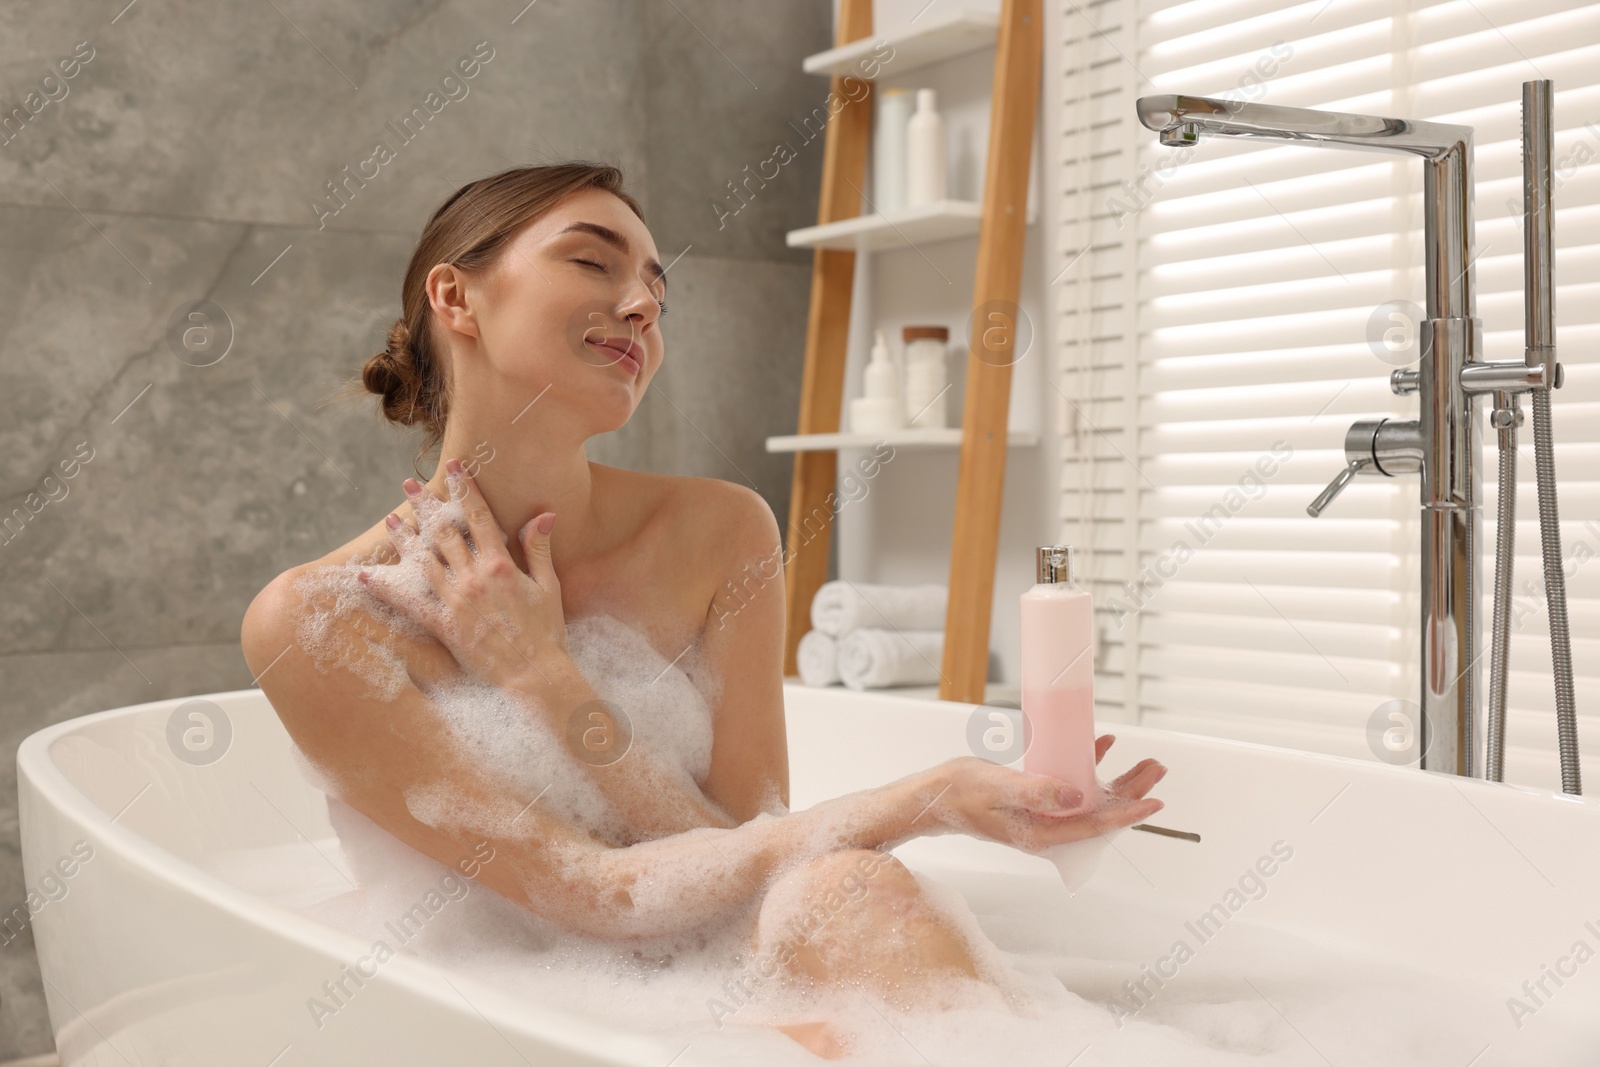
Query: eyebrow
{"points": [[620, 243]]}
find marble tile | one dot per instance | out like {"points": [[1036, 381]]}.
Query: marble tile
{"points": [[725, 82], [183, 161], [246, 112], [202, 481]]}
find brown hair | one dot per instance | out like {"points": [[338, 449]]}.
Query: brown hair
{"points": [[468, 230]]}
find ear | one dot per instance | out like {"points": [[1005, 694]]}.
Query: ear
{"points": [[449, 297]]}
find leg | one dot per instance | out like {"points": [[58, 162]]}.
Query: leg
{"points": [[859, 917], [876, 930]]}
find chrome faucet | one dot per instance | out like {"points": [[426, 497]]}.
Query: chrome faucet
{"points": [[1442, 444]]}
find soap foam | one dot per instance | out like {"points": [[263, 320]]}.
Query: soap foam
{"points": [[507, 738], [333, 592], [511, 737], [1050, 985], [1222, 1009], [663, 703], [1077, 861]]}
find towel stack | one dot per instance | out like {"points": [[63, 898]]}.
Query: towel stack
{"points": [[874, 636]]}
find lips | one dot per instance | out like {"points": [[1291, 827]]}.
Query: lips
{"points": [[623, 352]]}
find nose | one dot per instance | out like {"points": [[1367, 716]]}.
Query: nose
{"points": [[639, 304]]}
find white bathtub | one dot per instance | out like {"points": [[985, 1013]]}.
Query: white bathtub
{"points": [[1408, 894]]}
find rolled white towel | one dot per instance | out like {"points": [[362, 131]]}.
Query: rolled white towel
{"points": [[818, 657], [841, 606], [874, 658]]}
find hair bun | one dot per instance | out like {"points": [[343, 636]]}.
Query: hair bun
{"points": [[393, 375], [399, 339]]}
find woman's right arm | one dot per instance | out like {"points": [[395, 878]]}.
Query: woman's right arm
{"points": [[377, 750]]}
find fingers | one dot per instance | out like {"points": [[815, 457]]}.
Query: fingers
{"points": [[380, 581], [535, 538], [1045, 831], [408, 542], [1102, 745], [402, 535], [1050, 795], [1119, 816], [1127, 814], [411, 545], [451, 545], [1139, 779], [485, 532], [442, 534]]}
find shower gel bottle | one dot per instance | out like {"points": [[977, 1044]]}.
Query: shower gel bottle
{"points": [[1057, 638]]}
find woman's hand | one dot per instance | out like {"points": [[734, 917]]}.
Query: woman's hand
{"points": [[1034, 812], [501, 624]]}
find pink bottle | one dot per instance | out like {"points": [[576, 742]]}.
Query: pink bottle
{"points": [[1058, 674]]}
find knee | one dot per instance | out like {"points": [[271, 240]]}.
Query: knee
{"points": [[846, 913], [833, 886], [867, 861], [851, 873]]}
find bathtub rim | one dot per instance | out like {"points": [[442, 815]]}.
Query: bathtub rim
{"points": [[1379, 768], [532, 1021]]}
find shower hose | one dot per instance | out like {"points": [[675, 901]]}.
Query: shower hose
{"points": [[1555, 587]]}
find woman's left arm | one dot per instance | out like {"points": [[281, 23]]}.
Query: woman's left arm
{"points": [[740, 669], [742, 646]]}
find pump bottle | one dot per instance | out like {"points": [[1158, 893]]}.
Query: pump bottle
{"points": [[1057, 631]]}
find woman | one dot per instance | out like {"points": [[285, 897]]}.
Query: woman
{"points": [[531, 322]]}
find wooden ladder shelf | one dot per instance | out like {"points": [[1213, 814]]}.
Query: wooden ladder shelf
{"points": [[1019, 55]]}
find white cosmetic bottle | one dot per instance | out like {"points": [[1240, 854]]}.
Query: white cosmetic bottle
{"points": [[889, 150], [879, 408], [925, 152], [1057, 638]]}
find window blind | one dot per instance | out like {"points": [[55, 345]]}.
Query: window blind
{"points": [[1223, 319]]}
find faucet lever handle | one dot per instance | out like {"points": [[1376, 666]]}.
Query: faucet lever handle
{"points": [[1335, 487]]}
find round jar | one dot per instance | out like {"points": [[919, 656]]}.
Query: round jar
{"points": [[924, 378]]}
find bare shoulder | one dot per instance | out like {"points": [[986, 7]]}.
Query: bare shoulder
{"points": [[275, 614], [301, 637], [727, 514], [738, 550], [706, 517], [271, 620], [271, 634], [730, 527]]}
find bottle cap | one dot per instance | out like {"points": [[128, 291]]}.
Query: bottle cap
{"points": [[1057, 563], [919, 333]]}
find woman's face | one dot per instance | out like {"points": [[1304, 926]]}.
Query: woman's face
{"points": [[572, 309]]}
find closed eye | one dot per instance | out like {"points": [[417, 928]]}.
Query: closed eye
{"points": [[602, 267]]}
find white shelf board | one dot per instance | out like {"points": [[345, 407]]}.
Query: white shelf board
{"points": [[940, 37], [942, 220], [949, 437]]}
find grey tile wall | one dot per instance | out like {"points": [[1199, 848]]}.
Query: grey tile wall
{"points": [[184, 159]]}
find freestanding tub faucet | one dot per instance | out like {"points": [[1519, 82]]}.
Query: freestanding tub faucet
{"points": [[1442, 443]]}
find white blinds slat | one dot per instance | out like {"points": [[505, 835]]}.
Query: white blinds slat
{"points": [[1225, 306]]}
